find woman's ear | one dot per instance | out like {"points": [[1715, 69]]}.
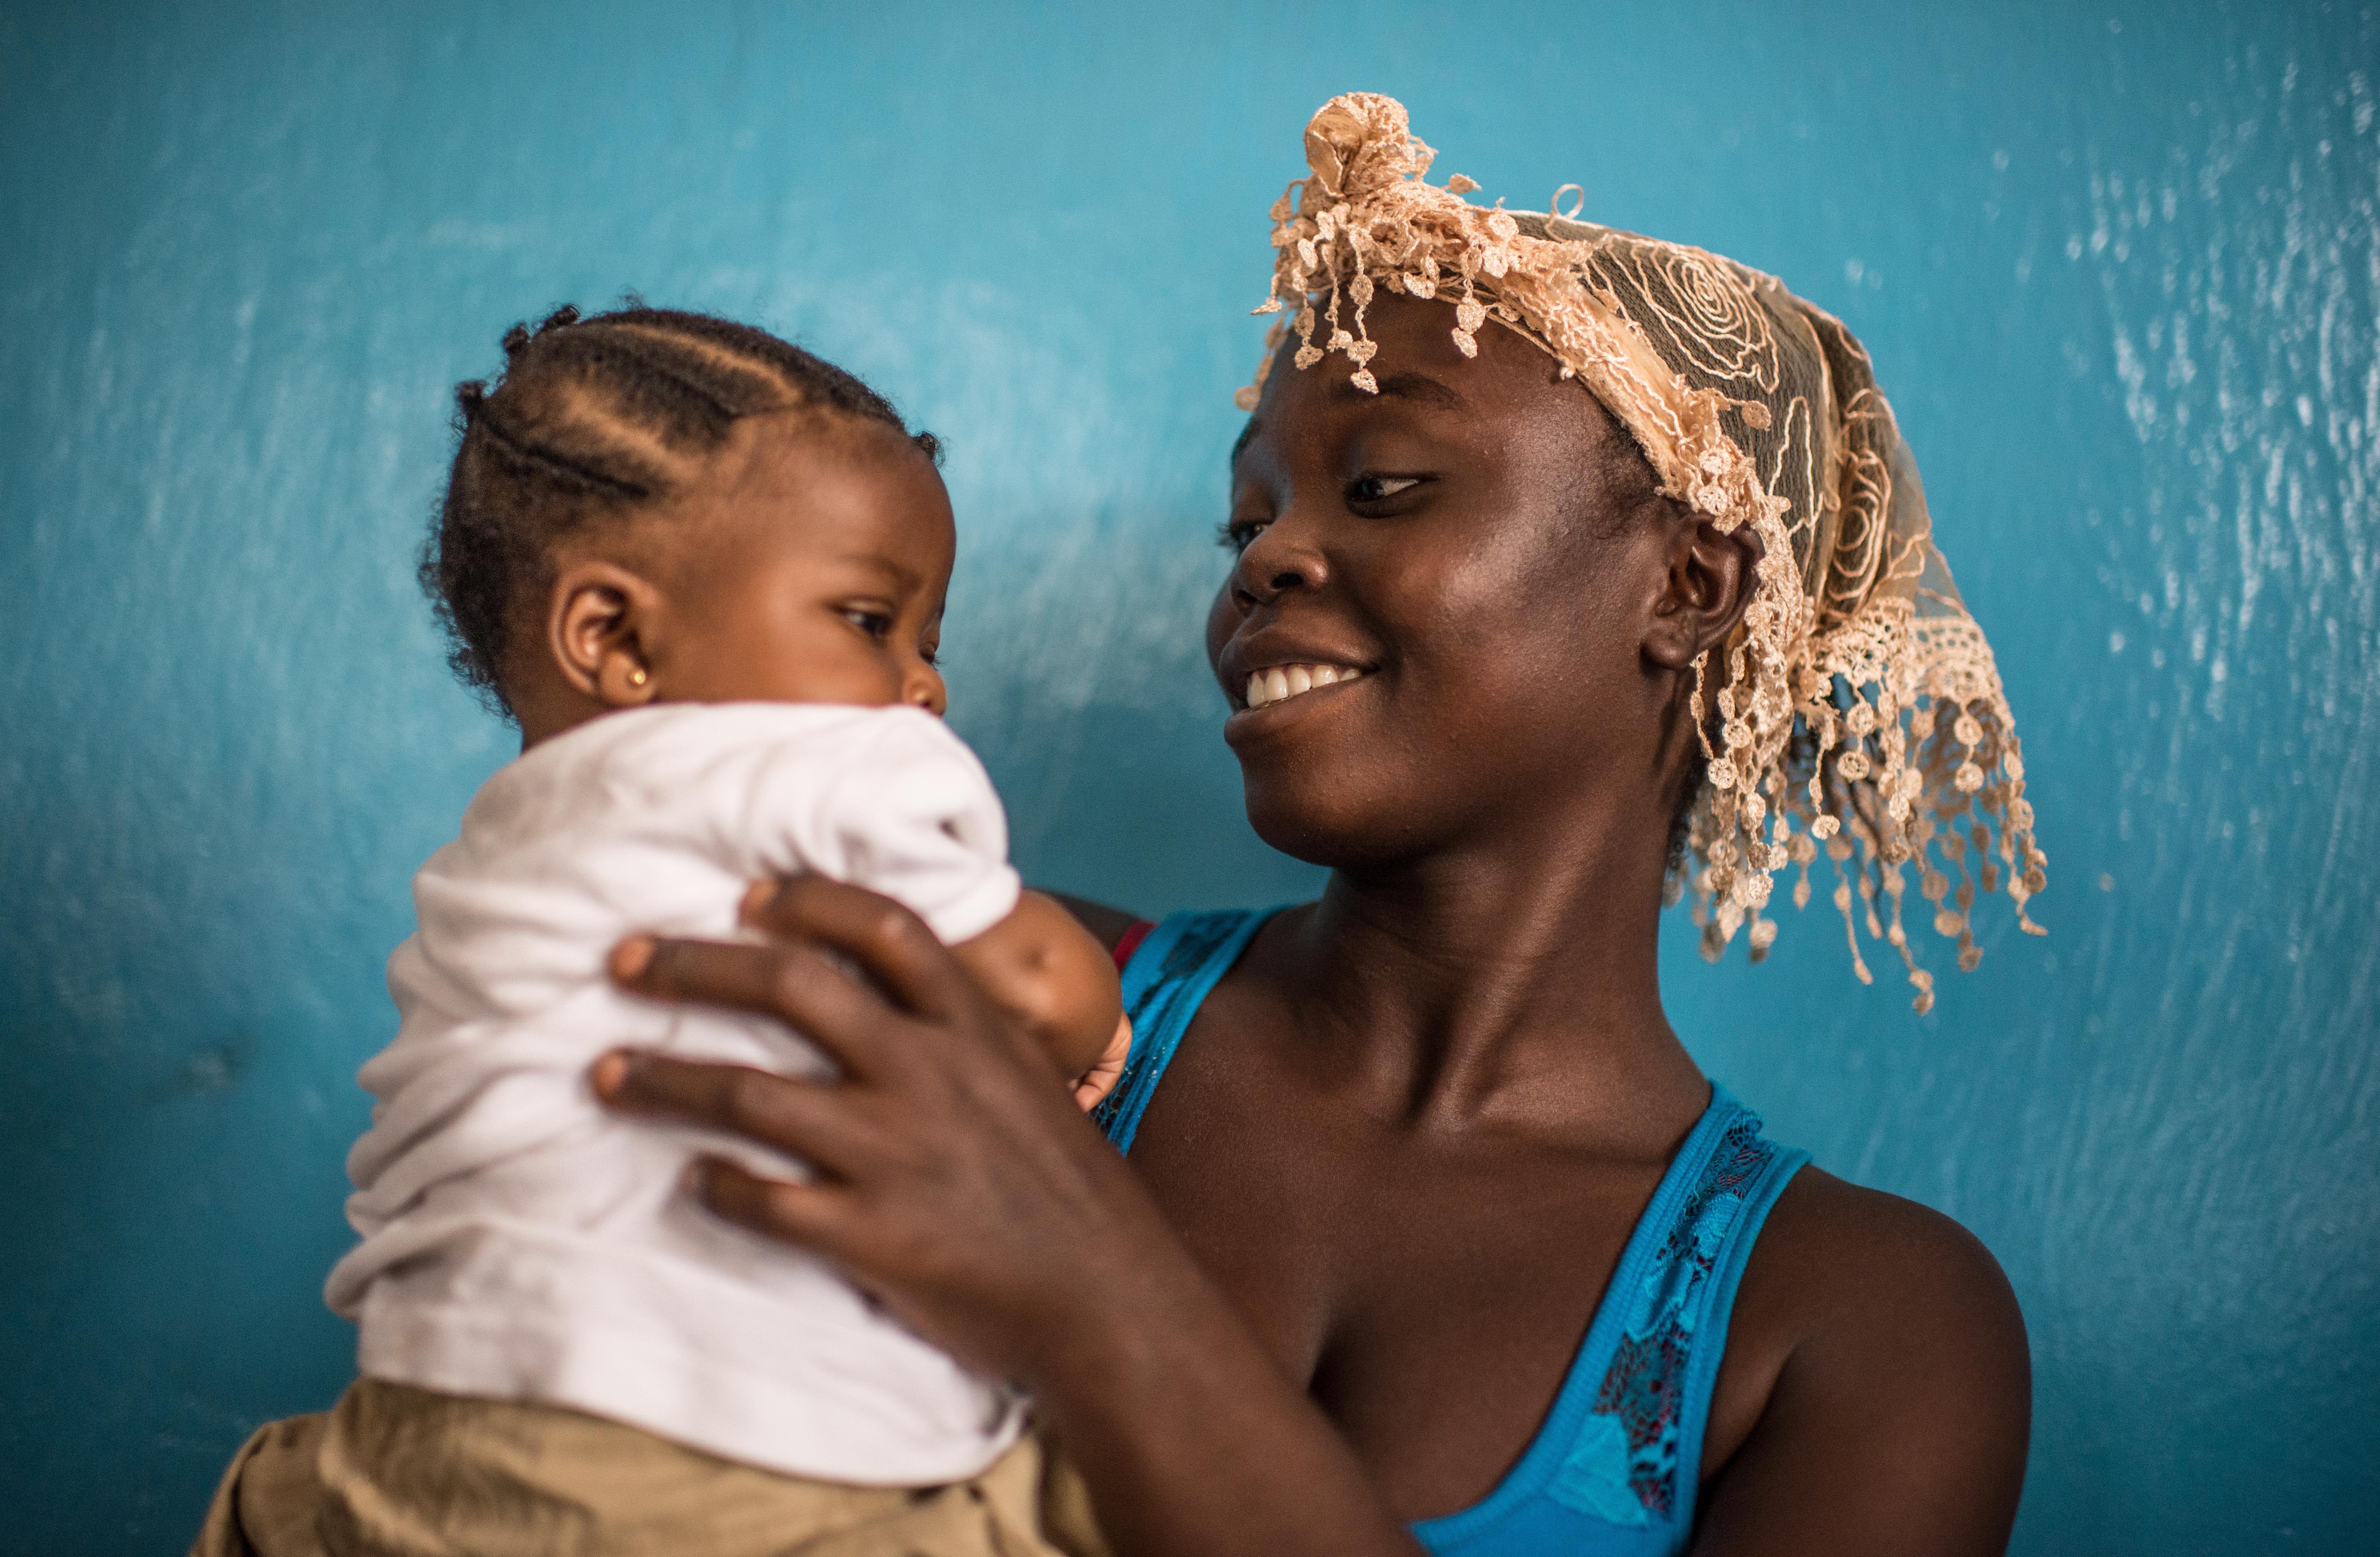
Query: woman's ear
{"points": [[1707, 582], [601, 633]]}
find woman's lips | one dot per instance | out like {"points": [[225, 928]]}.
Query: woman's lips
{"points": [[1279, 683]]}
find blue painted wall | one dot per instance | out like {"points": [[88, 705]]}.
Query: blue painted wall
{"points": [[2117, 267]]}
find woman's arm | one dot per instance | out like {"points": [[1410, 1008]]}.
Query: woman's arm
{"points": [[962, 1190]]}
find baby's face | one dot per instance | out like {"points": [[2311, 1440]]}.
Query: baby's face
{"points": [[811, 566]]}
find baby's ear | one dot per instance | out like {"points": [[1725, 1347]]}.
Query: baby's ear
{"points": [[601, 631]]}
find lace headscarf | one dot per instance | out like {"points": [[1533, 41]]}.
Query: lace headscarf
{"points": [[1858, 711]]}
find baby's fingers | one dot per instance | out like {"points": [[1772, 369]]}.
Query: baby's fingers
{"points": [[1107, 1071]]}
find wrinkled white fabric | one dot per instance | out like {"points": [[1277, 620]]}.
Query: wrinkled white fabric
{"points": [[520, 1243]]}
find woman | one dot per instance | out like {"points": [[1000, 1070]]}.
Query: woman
{"points": [[1431, 1230]]}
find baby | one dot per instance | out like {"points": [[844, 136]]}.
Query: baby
{"points": [[704, 571]]}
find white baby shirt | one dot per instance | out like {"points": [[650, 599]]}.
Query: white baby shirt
{"points": [[519, 1242]]}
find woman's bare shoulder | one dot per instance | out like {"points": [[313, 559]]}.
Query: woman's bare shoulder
{"points": [[1848, 1250], [1876, 1391]]}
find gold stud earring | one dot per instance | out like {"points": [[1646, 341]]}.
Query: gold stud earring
{"points": [[637, 677]]}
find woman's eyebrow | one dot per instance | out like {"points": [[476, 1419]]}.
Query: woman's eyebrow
{"points": [[1407, 386], [1403, 386]]}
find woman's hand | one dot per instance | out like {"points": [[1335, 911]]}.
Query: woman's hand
{"points": [[967, 1193], [953, 1181]]}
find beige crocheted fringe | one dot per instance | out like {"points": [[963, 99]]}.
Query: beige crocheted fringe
{"points": [[1859, 711]]}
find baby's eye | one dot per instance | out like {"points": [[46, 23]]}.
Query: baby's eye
{"points": [[930, 653], [876, 624], [1379, 489]]}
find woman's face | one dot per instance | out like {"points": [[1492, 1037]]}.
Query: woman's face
{"points": [[1463, 569]]}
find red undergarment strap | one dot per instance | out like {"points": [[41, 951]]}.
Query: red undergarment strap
{"points": [[1129, 942]]}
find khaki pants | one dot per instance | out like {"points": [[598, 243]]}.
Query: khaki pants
{"points": [[393, 1471]]}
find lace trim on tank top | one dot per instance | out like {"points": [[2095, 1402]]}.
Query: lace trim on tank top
{"points": [[1625, 1466], [1615, 1465]]}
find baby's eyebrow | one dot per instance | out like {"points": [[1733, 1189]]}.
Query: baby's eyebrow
{"points": [[900, 573]]}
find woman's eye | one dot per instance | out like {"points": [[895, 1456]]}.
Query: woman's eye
{"points": [[1379, 489], [876, 624], [1239, 534]]}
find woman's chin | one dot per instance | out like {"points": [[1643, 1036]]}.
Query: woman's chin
{"points": [[1326, 779], [1325, 826]]}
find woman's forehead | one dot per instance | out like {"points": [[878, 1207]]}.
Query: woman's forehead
{"points": [[1418, 368]]}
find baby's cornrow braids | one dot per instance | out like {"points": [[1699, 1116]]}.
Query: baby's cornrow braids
{"points": [[592, 418]]}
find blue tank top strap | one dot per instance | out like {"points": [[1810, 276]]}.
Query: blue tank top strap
{"points": [[1614, 1469], [1164, 983]]}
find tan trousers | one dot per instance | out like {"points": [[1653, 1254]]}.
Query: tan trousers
{"points": [[391, 1471]]}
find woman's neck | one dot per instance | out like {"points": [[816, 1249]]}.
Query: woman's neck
{"points": [[1515, 980]]}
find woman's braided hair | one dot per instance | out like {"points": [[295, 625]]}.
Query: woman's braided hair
{"points": [[592, 419]]}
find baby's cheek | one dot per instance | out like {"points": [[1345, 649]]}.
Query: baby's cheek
{"points": [[802, 663], [860, 679]]}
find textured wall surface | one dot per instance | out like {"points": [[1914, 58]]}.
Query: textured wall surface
{"points": [[2118, 269]]}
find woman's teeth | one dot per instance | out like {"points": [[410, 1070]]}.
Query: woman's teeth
{"points": [[1287, 680]]}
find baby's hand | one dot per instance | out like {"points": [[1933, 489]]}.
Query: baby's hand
{"points": [[1101, 1079]]}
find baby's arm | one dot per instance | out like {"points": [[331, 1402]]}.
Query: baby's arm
{"points": [[910, 813], [1041, 966]]}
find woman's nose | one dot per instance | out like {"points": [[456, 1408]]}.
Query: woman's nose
{"points": [[1275, 563]]}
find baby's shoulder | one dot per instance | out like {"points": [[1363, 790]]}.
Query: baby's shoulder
{"points": [[675, 736], [686, 749], [741, 765], [722, 780]]}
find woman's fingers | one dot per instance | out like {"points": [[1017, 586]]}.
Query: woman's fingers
{"points": [[797, 984], [892, 944], [951, 1167], [817, 1216], [815, 1122]]}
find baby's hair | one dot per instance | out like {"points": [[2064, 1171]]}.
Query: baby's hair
{"points": [[591, 419]]}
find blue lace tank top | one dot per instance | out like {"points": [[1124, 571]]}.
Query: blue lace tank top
{"points": [[1613, 1470]]}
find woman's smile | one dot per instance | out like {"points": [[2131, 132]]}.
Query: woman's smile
{"points": [[1279, 683]]}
